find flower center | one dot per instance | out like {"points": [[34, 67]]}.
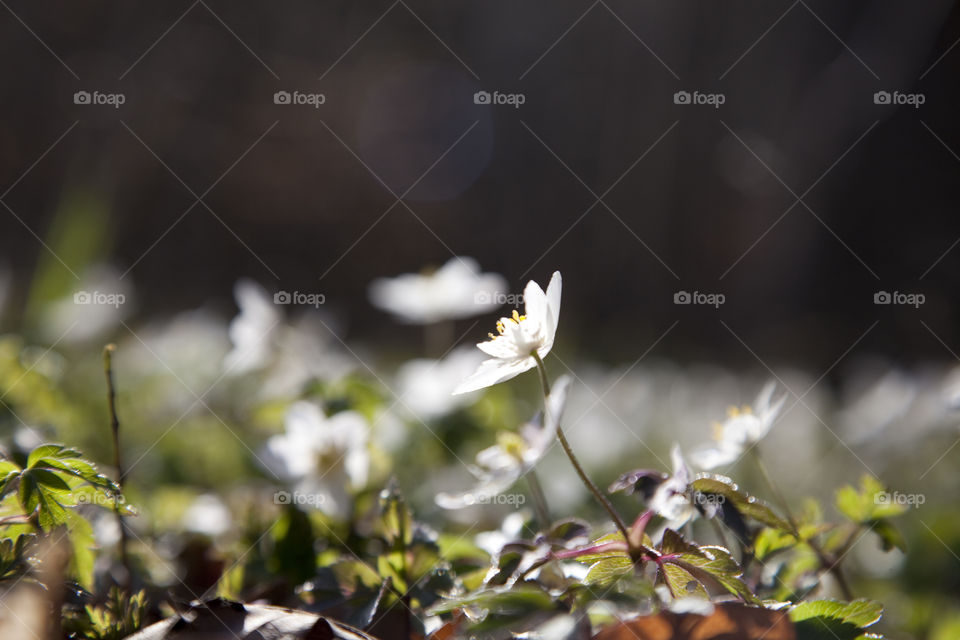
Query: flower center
{"points": [[516, 319], [512, 444]]}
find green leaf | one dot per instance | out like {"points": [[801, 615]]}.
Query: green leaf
{"points": [[50, 451], [609, 570], [673, 542], [743, 502], [771, 540], [871, 502], [37, 494], [704, 563], [397, 519], [830, 619], [719, 565], [682, 583], [889, 535], [83, 545]]}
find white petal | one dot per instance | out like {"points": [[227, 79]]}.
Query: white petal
{"points": [[554, 289], [499, 347], [540, 437], [681, 473], [535, 303], [304, 423], [492, 486], [714, 456], [494, 371]]}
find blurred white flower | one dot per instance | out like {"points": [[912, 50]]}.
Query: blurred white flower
{"points": [[501, 465], [323, 456], [456, 290], [671, 499], [207, 515], [520, 337], [425, 386], [253, 331], [289, 354], [96, 307], [742, 428], [511, 529]]}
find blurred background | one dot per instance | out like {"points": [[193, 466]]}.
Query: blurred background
{"points": [[695, 198], [794, 162]]}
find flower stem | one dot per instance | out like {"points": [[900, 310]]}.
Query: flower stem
{"points": [[825, 562], [115, 429], [602, 499], [539, 500]]}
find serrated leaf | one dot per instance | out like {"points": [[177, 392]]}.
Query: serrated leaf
{"points": [[50, 451], [38, 498], [747, 505], [608, 570], [708, 561], [719, 565], [673, 542], [870, 502], [833, 619], [681, 582]]}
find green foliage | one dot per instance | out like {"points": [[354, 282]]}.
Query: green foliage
{"points": [[829, 619], [118, 617], [52, 483], [745, 504], [688, 568], [871, 505]]}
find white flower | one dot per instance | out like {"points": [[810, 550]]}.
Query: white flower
{"points": [[457, 290], [253, 330], [425, 386], [207, 515], [511, 529], [323, 456], [100, 302], [743, 428], [499, 466], [520, 337], [671, 499], [288, 354]]}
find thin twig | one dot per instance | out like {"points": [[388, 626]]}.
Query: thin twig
{"points": [[115, 429]]}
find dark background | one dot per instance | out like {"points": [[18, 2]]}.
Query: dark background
{"points": [[300, 198]]}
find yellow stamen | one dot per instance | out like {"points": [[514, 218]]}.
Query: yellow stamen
{"points": [[717, 431]]}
